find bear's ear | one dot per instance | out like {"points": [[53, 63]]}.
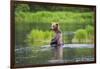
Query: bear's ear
{"points": [[56, 24]]}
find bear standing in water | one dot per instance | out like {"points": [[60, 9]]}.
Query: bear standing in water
{"points": [[57, 42]]}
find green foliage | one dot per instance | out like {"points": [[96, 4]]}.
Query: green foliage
{"points": [[48, 17], [81, 35], [22, 7], [66, 19], [53, 8], [39, 38], [90, 31]]}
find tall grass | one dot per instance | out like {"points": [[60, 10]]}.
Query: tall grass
{"points": [[39, 37], [48, 17]]}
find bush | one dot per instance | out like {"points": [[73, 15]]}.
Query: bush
{"points": [[39, 37], [22, 7], [81, 35], [90, 33]]}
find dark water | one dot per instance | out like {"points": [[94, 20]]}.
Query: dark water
{"points": [[41, 55]]}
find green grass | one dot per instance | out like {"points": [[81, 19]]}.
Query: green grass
{"points": [[48, 17]]}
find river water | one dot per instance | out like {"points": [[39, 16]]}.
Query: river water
{"points": [[41, 55]]}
